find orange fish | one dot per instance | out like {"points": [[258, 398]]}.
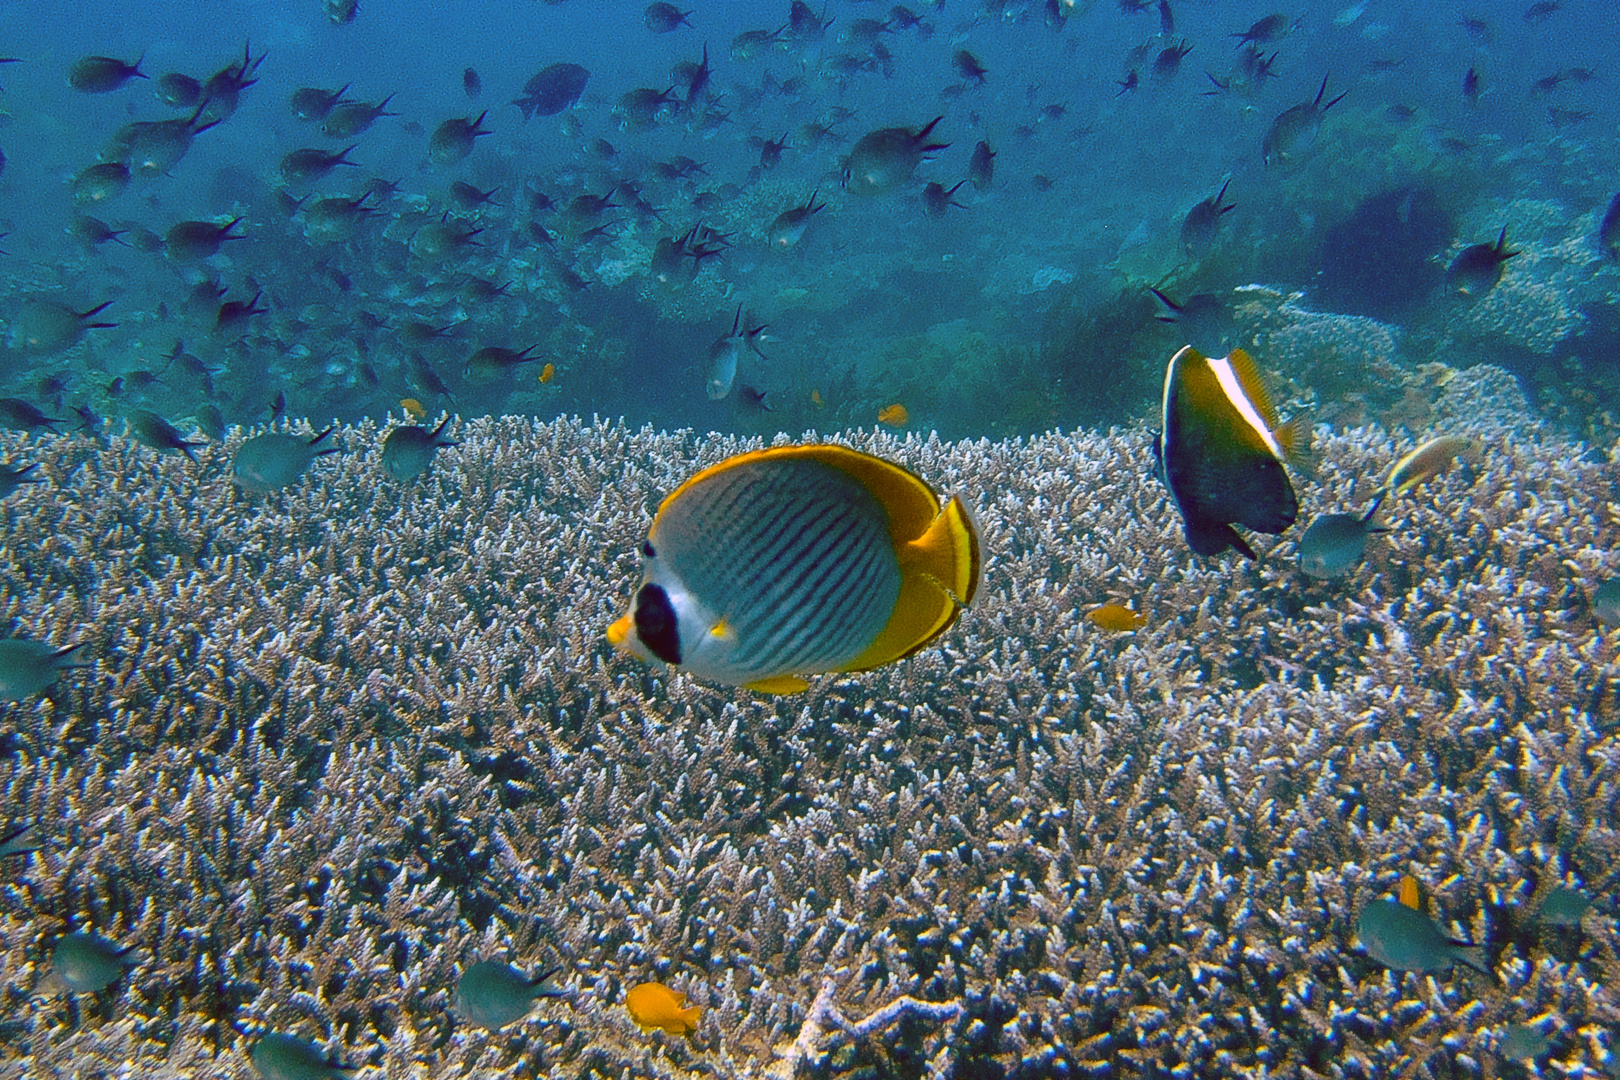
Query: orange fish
{"points": [[1116, 617], [414, 407], [548, 373], [894, 415], [1407, 892], [654, 1005]]}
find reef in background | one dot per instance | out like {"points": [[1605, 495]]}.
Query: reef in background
{"points": [[340, 742]]}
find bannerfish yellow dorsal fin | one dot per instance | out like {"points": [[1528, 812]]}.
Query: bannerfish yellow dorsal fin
{"points": [[1248, 375]]}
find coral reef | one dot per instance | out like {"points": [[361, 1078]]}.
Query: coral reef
{"points": [[342, 741], [1536, 304], [1346, 359]]}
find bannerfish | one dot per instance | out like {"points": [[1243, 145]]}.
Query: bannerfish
{"points": [[1335, 543], [1221, 451], [492, 994], [798, 560], [1407, 940], [654, 1005]]}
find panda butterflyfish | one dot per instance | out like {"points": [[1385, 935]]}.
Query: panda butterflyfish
{"points": [[795, 561], [1221, 451], [654, 1005]]}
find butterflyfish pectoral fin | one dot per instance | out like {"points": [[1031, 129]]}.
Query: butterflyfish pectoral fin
{"points": [[780, 684], [722, 631]]}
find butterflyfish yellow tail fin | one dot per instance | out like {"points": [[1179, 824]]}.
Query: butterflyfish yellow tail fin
{"points": [[949, 552], [939, 575]]}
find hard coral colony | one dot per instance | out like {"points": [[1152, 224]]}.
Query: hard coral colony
{"points": [[341, 753]]}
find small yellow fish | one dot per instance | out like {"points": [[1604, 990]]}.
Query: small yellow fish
{"points": [[1408, 893], [1431, 459], [815, 399], [548, 373], [1116, 617], [894, 415], [654, 1005], [414, 407]]}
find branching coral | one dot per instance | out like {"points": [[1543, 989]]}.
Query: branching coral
{"points": [[342, 741]]}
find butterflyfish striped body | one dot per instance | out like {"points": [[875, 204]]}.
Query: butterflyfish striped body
{"points": [[1221, 452], [798, 560]]}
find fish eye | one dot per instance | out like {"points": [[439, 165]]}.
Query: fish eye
{"points": [[647, 550]]}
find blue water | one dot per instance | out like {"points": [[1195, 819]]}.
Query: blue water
{"points": [[1091, 195]]}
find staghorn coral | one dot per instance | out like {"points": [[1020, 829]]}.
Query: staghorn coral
{"points": [[341, 741], [1342, 358]]}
